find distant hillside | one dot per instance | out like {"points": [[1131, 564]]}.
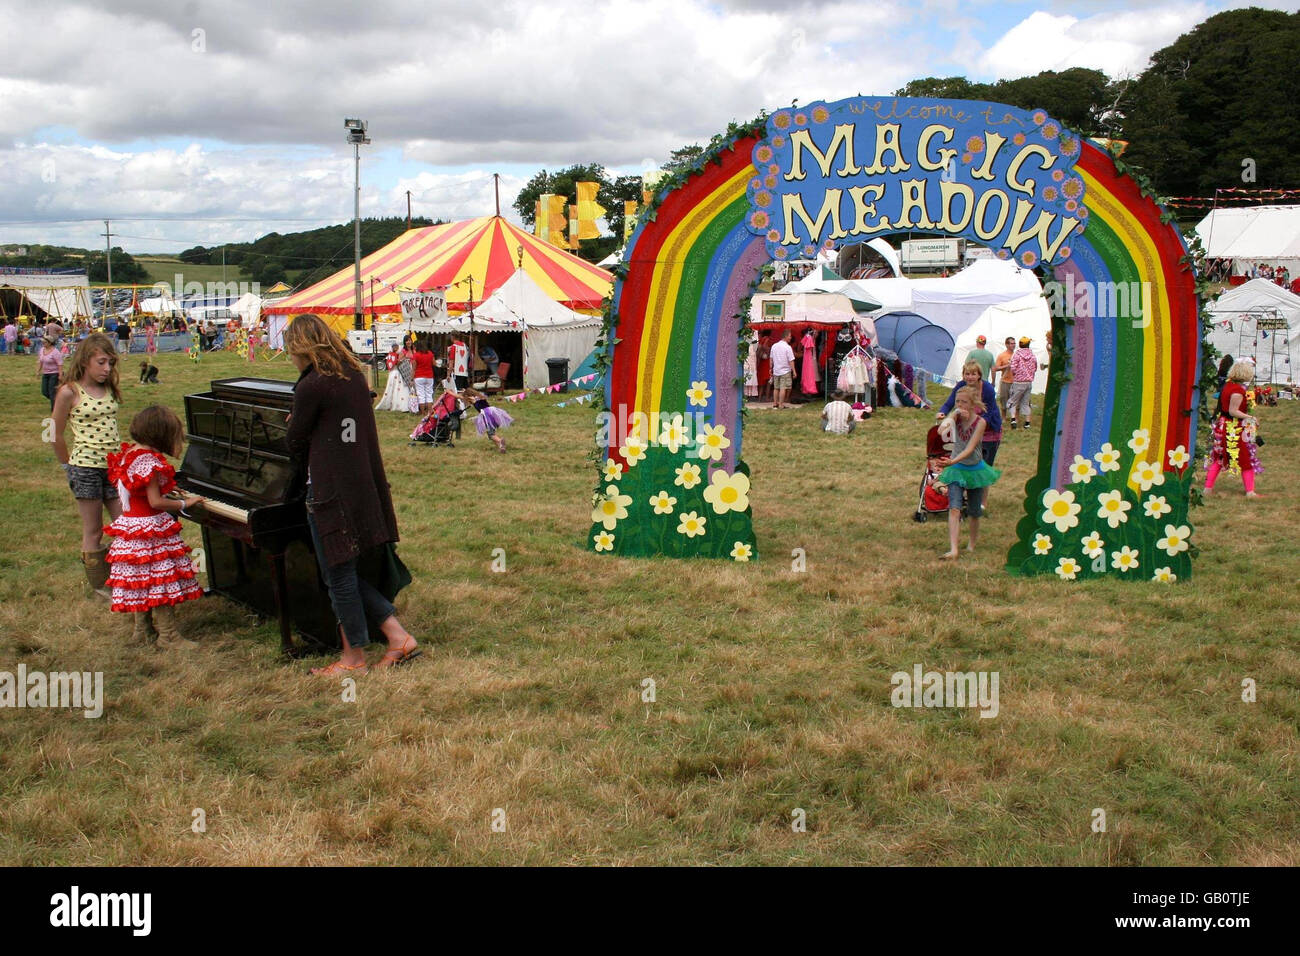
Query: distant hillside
{"points": [[125, 268], [299, 258]]}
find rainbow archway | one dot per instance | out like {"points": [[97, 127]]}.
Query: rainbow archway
{"points": [[1110, 495]]}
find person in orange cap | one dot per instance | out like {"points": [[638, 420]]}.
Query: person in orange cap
{"points": [[981, 357]]}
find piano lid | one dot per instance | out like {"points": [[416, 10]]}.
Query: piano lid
{"points": [[251, 426], [247, 479], [268, 391]]}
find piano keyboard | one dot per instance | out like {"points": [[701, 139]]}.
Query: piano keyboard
{"points": [[223, 510]]}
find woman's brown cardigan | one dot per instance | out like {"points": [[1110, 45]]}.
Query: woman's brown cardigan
{"points": [[333, 439]]}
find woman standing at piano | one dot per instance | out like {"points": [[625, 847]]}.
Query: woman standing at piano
{"points": [[334, 442], [87, 401]]}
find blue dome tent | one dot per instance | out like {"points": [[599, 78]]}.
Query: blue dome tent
{"points": [[916, 340]]}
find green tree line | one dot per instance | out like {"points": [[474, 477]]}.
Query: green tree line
{"points": [[1217, 108], [95, 263], [301, 257]]}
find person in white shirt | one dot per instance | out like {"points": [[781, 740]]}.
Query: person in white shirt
{"points": [[782, 370], [838, 415]]}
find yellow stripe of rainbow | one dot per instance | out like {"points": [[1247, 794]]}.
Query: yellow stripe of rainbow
{"points": [[662, 300], [1157, 355]]}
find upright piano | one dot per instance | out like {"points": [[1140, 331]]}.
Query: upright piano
{"points": [[257, 546]]}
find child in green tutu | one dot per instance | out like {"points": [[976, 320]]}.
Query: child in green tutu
{"points": [[966, 472]]}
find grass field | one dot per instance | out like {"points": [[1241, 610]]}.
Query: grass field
{"points": [[772, 686]]}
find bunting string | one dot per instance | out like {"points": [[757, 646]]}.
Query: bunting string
{"points": [[582, 380]]}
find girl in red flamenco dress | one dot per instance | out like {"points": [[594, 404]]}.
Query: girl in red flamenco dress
{"points": [[151, 570]]}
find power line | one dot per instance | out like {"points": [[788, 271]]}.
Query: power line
{"points": [[47, 222]]}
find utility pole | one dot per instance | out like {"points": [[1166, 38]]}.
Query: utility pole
{"points": [[108, 252], [496, 187], [408, 210]]}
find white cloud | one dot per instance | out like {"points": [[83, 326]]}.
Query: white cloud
{"points": [[1117, 43], [71, 182], [455, 196], [450, 83]]}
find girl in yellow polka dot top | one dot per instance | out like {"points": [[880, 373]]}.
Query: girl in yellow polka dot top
{"points": [[87, 400]]}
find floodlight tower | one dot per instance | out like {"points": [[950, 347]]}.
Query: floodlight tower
{"points": [[357, 136]]}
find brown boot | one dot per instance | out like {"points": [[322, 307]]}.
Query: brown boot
{"points": [[144, 632], [169, 635], [96, 565]]}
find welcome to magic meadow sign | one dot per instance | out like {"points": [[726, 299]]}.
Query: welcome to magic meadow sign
{"points": [[998, 176]]}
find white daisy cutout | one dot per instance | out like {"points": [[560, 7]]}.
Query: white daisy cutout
{"points": [[1112, 508], [699, 394], [1060, 509], [1068, 569], [1093, 545], [1107, 458], [1145, 474], [1125, 559], [1081, 470], [1175, 540], [1156, 506]]}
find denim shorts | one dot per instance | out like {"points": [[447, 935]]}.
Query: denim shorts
{"points": [[90, 484], [971, 500]]}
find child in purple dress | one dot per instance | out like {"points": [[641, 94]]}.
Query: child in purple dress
{"points": [[490, 419]]}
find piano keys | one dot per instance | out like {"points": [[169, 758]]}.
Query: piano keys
{"points": [[256, 540], [229, 512]]}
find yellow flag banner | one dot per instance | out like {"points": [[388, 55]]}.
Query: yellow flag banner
{"points": [[539, 218], [648, 182], [588, 210], [629, 218], [573, 225], [556, 220]]}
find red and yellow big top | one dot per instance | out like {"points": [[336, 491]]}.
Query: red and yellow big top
{"points": [[448, 256]]}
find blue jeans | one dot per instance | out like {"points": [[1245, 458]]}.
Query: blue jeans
{"points": [[354, 601]]}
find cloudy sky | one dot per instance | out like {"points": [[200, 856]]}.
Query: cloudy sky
{"points": [[197, 122]]}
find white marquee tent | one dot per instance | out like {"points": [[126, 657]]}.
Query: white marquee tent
{"points": [[550, 330], [1253, 235], [800, 308], [954, 303], [66, 297], [519, 304], [248, 308], [851, 289], [1234, 328], [1026, 316], [159, 304]]}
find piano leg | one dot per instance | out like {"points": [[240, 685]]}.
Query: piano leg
{"points": [[280, 589]]}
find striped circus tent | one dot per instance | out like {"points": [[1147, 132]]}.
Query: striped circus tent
{"points": [[448, 256]]}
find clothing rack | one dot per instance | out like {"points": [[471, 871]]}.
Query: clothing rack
{"points": [[869, 361]]}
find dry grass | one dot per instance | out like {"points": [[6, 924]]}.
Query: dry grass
{"points": [[772, 686]]}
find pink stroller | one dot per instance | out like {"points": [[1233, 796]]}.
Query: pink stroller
{"points": [[437, 427]]}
